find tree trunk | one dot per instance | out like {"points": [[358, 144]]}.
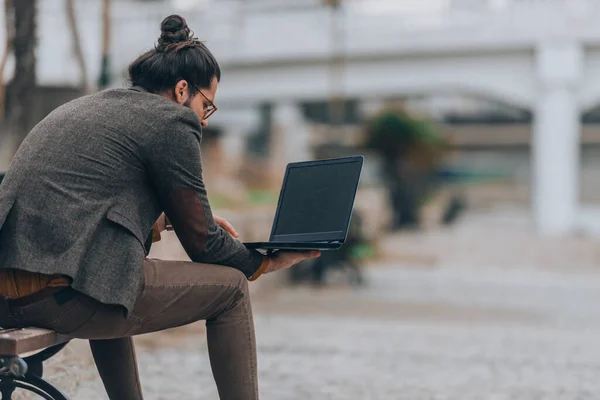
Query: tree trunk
{"points": [[77, 50], [9, 24], [104, 79], [21, 91], [337, 64]]}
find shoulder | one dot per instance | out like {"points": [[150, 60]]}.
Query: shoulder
{"points": [[164, 113], [147, 112], [167, 128], [150, 120]]}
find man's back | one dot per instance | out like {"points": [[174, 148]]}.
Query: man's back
{"points": [[81, 176]]}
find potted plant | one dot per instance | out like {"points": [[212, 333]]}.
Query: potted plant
{"points": [[411, 150]]}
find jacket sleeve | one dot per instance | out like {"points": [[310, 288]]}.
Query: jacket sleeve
{"points": [[175, 169]]}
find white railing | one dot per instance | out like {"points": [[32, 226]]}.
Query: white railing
{"points": [[302, 28], [260, 30], [478, 6]]}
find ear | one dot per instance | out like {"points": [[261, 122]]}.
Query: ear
{"points": [[181, 92]]}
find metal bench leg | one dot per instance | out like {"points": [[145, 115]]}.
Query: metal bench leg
{"points": [[40, 387], [7, 387], [26, 374], [35, 362], [30, 383], [46, 353]]}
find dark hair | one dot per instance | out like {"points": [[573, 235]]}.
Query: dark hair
{"points": [[178, 55]]}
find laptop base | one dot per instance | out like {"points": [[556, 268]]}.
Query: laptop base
{"points": [[282, 246]]}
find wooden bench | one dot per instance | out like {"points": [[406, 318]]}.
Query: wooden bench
{"points": [[22, 353]]}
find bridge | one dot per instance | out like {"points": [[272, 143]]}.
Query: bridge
{"points": [[541, 55]]}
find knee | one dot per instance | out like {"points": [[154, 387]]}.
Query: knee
{"points": [[238, 294], [237, 280], [231, 293]]}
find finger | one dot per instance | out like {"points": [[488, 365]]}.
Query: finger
{"points": [[301, 254], [311, 254], [306, 256], [228, 227], [232, 230]]}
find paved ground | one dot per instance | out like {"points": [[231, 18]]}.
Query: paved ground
{"points": [[428, 330]]}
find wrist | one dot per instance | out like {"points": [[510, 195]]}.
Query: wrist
{"points": [[264, 266]]}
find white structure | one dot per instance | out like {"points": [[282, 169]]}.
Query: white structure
{"points": [[543, 55]]}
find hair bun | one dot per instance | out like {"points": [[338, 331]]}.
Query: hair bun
{"points": [[173, 29]]}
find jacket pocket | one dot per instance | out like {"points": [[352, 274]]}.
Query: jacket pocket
{"points": [[120, 219]]}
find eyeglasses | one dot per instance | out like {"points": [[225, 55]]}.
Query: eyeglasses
{"points": [[210, 108]]}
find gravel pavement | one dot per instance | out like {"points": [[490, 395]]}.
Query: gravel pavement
{"points": [[434, 331]]}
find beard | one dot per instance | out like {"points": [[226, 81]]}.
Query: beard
{"points": [[187, 104]]}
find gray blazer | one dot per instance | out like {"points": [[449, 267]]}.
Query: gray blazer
{"points": [[87, 184]]}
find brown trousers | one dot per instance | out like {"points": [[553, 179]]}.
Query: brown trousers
{"points": [[175, 293]]}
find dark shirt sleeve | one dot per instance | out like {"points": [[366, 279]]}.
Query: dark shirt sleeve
{"points": [[175, 167]]}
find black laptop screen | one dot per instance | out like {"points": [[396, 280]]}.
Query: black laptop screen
{"points": [[317, 199]]}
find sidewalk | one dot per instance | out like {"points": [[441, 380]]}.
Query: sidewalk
{"points": [[455, 326]]}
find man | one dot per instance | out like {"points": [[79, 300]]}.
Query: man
{"points": [[83, 193]]}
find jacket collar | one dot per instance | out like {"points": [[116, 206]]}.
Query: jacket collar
{"points": [[138, 89]]}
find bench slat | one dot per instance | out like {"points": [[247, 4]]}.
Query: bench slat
{"points": [[14, 342]]}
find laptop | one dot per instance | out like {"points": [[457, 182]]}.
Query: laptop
{"points": [[315, 205]]}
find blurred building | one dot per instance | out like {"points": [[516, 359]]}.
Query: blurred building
{"points": [[511, 79]]}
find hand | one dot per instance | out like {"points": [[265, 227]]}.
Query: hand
{"points": [[223, 223], [160, 223], [287, 259]]}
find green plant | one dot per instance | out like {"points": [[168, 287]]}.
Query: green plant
{"points": [[390, 133], [411, 149], [395, 132]]}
